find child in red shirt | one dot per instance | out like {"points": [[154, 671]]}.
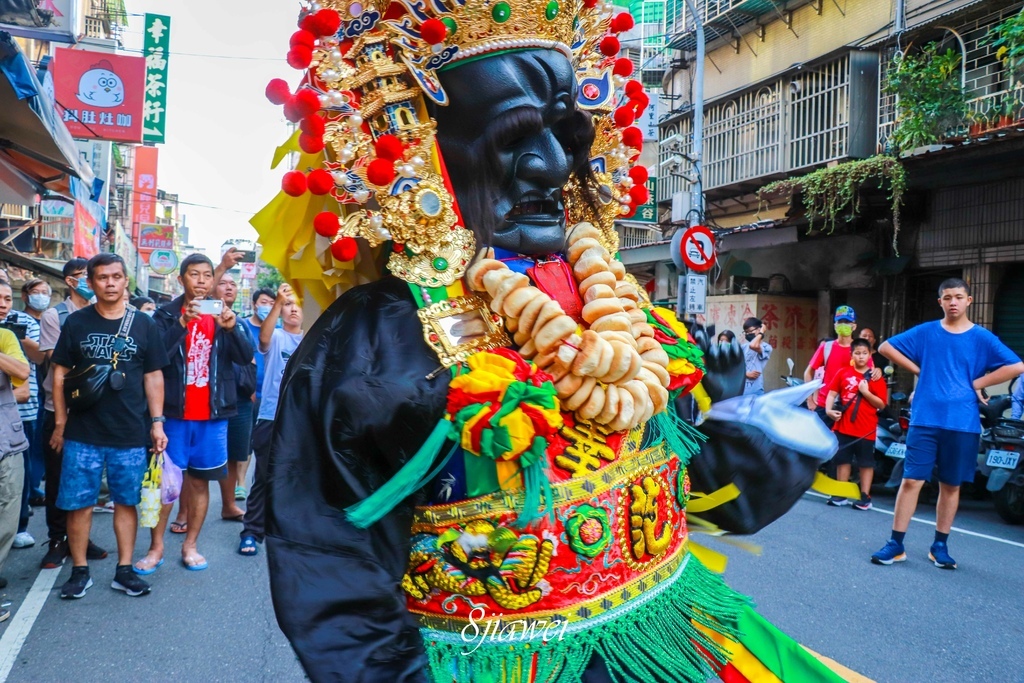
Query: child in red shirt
{"points": [[856, 419]]}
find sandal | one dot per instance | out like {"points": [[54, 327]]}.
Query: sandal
{"points": [[195, 562], [248, 546], [179, 527], [144, 568], [240, 493]]}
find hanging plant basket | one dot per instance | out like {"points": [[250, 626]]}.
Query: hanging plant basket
{"points": [[831, 192]]}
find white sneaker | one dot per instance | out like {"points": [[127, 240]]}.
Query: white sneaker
{"points": [[24, 540]]}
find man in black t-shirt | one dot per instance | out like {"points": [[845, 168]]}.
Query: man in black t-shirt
{"points": [[112, 432]]}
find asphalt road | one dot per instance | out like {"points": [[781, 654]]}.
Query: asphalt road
{"points": [[905, 623]]}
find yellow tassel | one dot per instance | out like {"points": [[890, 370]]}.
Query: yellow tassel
{"points": [[701, 502], [830, 487]]}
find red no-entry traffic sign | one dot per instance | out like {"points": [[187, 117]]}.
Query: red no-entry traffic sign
{"points": [[698, 249]]}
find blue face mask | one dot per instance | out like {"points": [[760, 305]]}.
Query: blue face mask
{"points": [[263, 311], [83, 290], [149, 313], [38, 302]]}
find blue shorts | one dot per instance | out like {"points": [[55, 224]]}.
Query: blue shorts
{"points": [[83, 468], [199, 447], [956, 454]]}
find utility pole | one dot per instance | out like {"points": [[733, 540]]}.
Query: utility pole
{"points": [[696, 157]]}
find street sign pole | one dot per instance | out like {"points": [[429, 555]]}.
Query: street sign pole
{"points": [[697, 190]]}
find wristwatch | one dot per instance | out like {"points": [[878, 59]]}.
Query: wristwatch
{"points": [[158, 418]]}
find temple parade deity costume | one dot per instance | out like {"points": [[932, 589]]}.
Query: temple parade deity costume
{"points": [[482, 464]]}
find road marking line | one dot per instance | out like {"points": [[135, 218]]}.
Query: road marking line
{"points": [[931, 522], [21, 623]]}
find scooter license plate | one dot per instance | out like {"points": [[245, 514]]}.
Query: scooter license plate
{"points": [[1005, 459], [897, 450]]}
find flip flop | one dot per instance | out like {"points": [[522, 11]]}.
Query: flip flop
{"points": [[179, 527], [195, 567], [236, 518], [248, 546], [240, 493], [147, 572]]}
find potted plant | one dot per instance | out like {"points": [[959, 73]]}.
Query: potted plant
{"points": [[1007, 37], [1006, 113], [929, 96], [975, 125]]}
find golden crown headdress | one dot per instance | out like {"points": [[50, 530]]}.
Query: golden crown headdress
{"points": [[370, 172]]}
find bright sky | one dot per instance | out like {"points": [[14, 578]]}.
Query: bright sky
{"points": [[221, 130]]}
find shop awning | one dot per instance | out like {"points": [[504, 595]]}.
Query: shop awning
{"points": [[33, 139], [15, 188]]}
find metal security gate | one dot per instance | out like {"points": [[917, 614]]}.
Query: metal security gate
{"points": [[1009, 309]]}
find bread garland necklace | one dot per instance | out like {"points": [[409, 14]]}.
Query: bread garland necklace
{"points": [[614, 373]]}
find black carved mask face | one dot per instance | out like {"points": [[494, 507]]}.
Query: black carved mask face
{"points": [[511, 137]]}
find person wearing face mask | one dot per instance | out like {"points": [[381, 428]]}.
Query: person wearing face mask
{"points": [[50, 324], [833, 356], [36, 295], [262, 303], [756, 352]]}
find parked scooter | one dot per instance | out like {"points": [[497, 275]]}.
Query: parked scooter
{"points": [[1002, 443], [791, 380], [889, 441]]}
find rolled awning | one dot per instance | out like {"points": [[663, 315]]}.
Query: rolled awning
{"points": [[33, 139]]}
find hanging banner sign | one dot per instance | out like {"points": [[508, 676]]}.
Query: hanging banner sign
{"points": [[100, 94], [155, 49], [144, 188]]}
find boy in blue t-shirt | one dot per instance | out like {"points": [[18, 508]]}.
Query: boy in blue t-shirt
{"points": [[954, 360]]}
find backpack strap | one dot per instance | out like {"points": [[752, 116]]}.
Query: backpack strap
{"points": [[827, 351], [62, 313]]}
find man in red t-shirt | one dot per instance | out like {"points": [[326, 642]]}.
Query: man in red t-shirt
{"points": [[856, 419], [832, 356]]}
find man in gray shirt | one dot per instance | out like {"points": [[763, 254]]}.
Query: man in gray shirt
{"points": [[756, 351]]}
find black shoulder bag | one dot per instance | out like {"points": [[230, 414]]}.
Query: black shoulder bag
{"points": [[85, 385]]}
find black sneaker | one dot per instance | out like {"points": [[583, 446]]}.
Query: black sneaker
{"points": [[128, 581], [864, 503], [837, 501], [56, 551], [94, 552], [76, 586]]}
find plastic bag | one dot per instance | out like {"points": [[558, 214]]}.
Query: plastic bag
{"points": [[170, 481], [149, 506]]}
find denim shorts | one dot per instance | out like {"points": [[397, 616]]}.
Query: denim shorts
{"points": [[240, 432], [83, 469], [956, 454], [198, 446]]}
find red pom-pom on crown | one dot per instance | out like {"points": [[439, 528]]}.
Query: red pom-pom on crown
{"points": [[380, 172], [633, 137], [633, 87], [433, 31], [293, 183], [311, 144], [345, 249], [312, 125], [609, 46], [624, 116], [306, 102], [623, 67], [326, 224], [278, 91], [389, 147], [622, 22], [300, 57], [639, 175], [319, 181], [326, 22], [638, 195], [302, 37]]}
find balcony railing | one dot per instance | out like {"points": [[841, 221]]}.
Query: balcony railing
{"points": [[721, 18], [792, 124], [57, 229], [637, 236]]}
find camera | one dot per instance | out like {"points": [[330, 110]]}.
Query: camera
{"points": [[20, 330]]}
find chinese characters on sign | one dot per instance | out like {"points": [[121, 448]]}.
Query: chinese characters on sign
{"points": [[153, 236], [99, 94], [648, 213], [155, 49], [696, 292], [144, 188]]}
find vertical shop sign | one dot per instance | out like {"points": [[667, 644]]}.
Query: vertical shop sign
{"points": [[144, 188], [155, 49]]}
